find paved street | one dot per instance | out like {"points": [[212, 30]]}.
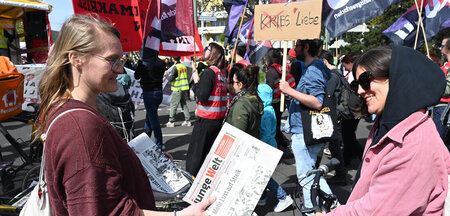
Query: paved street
{"points": [[176, 142]]}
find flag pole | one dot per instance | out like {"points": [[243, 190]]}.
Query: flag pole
{"points": [[237, 37], [283, 73], [419, 21], [194, 5], [420, 24], [336, 48]]}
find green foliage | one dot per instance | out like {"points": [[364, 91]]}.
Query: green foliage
{"points": [[20, 30], [222, 37]]}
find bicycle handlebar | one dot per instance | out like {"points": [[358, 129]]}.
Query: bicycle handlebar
{"points": [[315, 187]]}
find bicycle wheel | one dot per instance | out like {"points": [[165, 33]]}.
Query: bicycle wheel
{"points": [[32, 175]]}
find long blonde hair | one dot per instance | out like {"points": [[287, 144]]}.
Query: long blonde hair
{"points": [[78, 33]]}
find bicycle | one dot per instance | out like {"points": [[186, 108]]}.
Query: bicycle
{"points": [[174, 201], [325, 201], [7, 170]]}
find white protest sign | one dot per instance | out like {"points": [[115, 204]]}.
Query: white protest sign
{"points": [[33, 74]]}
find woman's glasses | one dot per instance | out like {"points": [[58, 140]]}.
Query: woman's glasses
{"points": [[116, 64], [365, 79]]}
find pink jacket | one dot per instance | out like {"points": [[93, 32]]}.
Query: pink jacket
{"points": [[404, 174]]}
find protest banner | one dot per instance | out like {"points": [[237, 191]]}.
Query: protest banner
{"points": [[297, 20], [164, 176], [33, 74], [127, 16], [236, 172]]}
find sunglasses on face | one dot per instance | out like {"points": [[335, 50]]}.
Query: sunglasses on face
{"points": [[365, 79], [443, 45]]}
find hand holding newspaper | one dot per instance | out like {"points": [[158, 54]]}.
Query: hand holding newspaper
{"points": [[236, 172]]}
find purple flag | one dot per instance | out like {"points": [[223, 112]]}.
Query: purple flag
{"points": [[234, 15], [435, 18], [256, 50]]}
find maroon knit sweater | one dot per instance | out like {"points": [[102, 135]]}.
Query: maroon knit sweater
{"points": [[90, 169]]}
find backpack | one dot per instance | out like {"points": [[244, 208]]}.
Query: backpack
{"points": [[350, 104], [11, 89], [118, 108]]}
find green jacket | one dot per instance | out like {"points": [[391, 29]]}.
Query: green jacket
{"points": [[246, 113]]}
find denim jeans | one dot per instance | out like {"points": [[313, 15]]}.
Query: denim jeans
{"points": [[179, 97], [437, 113], [152, 100], [305, 160], [275, 189]]}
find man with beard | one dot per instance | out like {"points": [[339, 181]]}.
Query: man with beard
{"points": [[310, 92]]}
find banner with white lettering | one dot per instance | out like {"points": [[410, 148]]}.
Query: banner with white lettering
{"points": [[136, 91], [236, 172], [341, 15], [33, 74], [127, 16]]}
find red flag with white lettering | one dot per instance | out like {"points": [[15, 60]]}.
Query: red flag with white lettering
{"points": [[127, 16]]}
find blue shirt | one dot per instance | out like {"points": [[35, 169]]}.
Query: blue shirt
{"points": [[313, 82]]}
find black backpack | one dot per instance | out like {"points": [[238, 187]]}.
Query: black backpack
{"points": [[117, 107], [350, 104]]}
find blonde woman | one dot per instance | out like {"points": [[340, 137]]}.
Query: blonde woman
{"points": [[90, 169]]}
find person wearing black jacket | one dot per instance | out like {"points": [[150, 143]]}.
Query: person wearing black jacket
{"points": [[211, 93], [151, 76]]}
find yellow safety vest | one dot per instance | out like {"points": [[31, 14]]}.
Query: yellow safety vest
{"points": [[3, 40], [181, 83]]}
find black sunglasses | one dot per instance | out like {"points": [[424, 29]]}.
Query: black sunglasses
{"points": [[365, 79]]}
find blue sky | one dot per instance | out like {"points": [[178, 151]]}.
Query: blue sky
{"points": [[62, 9]]}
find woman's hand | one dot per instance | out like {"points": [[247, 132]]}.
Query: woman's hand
{"points": [[168, 155], [195, 76], [284, 86], [197, 209], [319, 214]]}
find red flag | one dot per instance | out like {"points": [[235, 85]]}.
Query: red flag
{"points": [[127, 16], [163, 33], [185, 17], [182, 46]]}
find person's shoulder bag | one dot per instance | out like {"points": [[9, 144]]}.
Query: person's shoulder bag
{"points": [[39, 201]]}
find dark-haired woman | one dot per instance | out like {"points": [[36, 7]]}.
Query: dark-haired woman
{"points": [[209, 88], [273, 76], [406, 165], [246, 108]]}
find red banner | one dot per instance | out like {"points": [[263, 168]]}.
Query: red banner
{"points": [[182, 46], [126, 15]]}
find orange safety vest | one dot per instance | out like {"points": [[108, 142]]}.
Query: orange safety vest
{"points": [[289, 78], [216, 106]]}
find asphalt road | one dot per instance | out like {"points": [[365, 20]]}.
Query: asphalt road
{"points": [[176, 142]]}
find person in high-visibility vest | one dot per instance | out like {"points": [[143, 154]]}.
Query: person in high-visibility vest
{"points": [[4, 38], [180, 89], [212, 106]]}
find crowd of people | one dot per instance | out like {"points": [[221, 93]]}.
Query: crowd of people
{"points": [[404, 164]]}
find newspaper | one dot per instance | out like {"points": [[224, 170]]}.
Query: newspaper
{"points": [[164, 176], [236, 172]]}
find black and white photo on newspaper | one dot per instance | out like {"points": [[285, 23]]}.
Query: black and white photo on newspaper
{"points": [[164, 176]]}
